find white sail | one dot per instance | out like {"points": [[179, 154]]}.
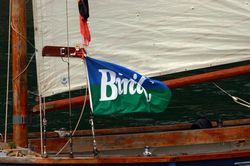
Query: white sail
{"points": [[151, 37]]}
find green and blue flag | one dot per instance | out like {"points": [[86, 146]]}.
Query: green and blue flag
{"points": [[116, 89]]}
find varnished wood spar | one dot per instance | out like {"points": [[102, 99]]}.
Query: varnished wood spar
{"points": [[19, 75], [206, 77], [62, 104], [145, 129], [153, 139], [175, 83]]}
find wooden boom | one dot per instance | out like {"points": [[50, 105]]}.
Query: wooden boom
{"points": [[174, 83]]}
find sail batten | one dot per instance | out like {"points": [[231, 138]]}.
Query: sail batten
{"points": [[152, 38]]}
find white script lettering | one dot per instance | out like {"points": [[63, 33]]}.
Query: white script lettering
{"points": [[120, 86]]}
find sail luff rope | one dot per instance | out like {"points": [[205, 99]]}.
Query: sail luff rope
{"points": [[234, 98], [8, 78]]}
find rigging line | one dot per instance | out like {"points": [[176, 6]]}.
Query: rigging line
{"points": [[41, 124], [25, 67], [91, 120], [64, 60], [78, 122], [222, 89], [13, 27], [69, 83], [39, 88], [33, 93], [235, 98], [8, 78], [29, 42], [44, 128]]}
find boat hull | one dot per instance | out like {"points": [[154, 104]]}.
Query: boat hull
{"points": [[243, 161], [168, 145]]}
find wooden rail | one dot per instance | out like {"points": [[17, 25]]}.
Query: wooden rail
{"points": [[144, 129], [152, 139]]}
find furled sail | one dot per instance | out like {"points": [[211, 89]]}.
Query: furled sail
{"points": [[150, 37]]}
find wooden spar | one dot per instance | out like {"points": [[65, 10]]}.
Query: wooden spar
{"points": [[175, 83], [19, 49], [210, 76], [62, 104]]}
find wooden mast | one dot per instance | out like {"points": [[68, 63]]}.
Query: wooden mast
{"points": [[19, 57]]}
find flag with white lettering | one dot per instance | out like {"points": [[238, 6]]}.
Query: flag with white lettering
{"points": [[116, 89]]}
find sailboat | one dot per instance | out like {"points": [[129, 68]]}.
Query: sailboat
{"points": [[152, 38]]}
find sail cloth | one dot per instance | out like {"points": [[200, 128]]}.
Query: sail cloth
{"points": [[116, 89], [163, 37]]}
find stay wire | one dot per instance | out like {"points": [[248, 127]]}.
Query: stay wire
{"points": [[69, 83], [41, 124], [91, 120], [44, 123]]}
